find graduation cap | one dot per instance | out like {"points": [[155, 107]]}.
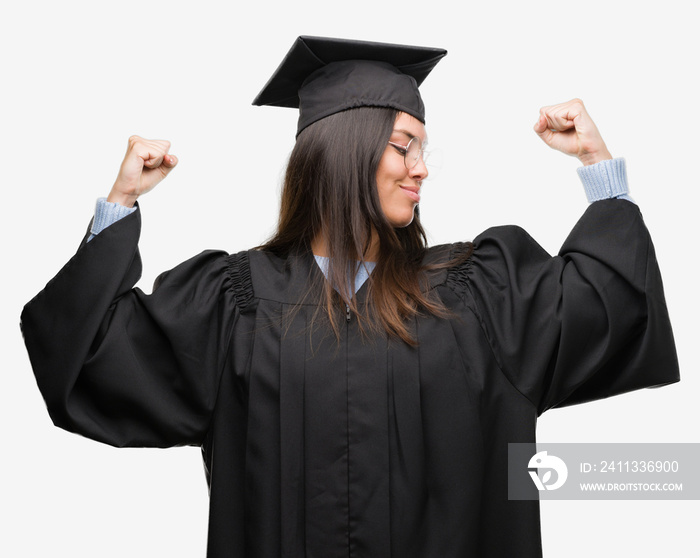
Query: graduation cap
{"points": [[321, 76]]}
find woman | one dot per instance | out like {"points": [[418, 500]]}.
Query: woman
{"points": [[354, 392]]}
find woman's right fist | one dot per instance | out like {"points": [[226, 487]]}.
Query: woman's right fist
{"points": [[145, 164]]}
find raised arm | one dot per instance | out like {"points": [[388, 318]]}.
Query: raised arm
{"points": [[118, 365]]}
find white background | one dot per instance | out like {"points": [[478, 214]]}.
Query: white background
{"points": [[78, 78]]}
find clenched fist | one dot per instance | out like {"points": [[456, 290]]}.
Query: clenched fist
{"points": [[568, 128], [145, 164]]}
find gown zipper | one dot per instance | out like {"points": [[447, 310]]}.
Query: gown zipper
{"points": [[347, 313]]}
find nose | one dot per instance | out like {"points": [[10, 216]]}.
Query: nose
{"points": [[420, 171]]}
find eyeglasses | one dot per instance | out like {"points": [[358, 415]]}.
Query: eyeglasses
{"points": [[411, 152]]}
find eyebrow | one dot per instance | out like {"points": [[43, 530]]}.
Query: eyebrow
{"points": [[409, 134]]}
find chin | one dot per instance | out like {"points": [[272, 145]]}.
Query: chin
{"points": [[402, 221]]}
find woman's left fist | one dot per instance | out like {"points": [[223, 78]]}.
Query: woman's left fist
{"points": [[568, 128]]}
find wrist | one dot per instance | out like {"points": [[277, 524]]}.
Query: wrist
{"points": [[588, 159], [127, 200]]}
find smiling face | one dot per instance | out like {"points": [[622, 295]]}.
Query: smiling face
{"points": [[397, 186]]}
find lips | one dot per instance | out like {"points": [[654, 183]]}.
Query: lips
{"points": [[412, 192]]}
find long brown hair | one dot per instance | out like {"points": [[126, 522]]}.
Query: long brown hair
{"points": [[330, 188]]}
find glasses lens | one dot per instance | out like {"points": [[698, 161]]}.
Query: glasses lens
{"points": [[413, 152], [433, 162]]}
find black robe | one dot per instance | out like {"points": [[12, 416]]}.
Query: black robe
{"points": [[358, 447]]}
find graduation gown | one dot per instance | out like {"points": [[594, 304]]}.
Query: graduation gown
{"points": [[321, 447]]}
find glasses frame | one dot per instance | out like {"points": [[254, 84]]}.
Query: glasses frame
{"points": [[403, 149]]}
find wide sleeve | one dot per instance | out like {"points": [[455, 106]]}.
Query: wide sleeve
{"points": [[123, 367], [586, 324]]}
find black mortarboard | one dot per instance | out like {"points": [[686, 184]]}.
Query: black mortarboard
{"points": [[321, 76]]}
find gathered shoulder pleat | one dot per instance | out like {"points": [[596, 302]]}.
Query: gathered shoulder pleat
{"points": [[241, 283], [458, 275]]}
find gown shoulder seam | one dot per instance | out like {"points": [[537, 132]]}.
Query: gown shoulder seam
{"points": [[458, 281], [458, 275], [238, 269]]}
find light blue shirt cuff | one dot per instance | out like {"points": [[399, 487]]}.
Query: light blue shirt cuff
{"points": [[106, 214], [605, 180]]}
